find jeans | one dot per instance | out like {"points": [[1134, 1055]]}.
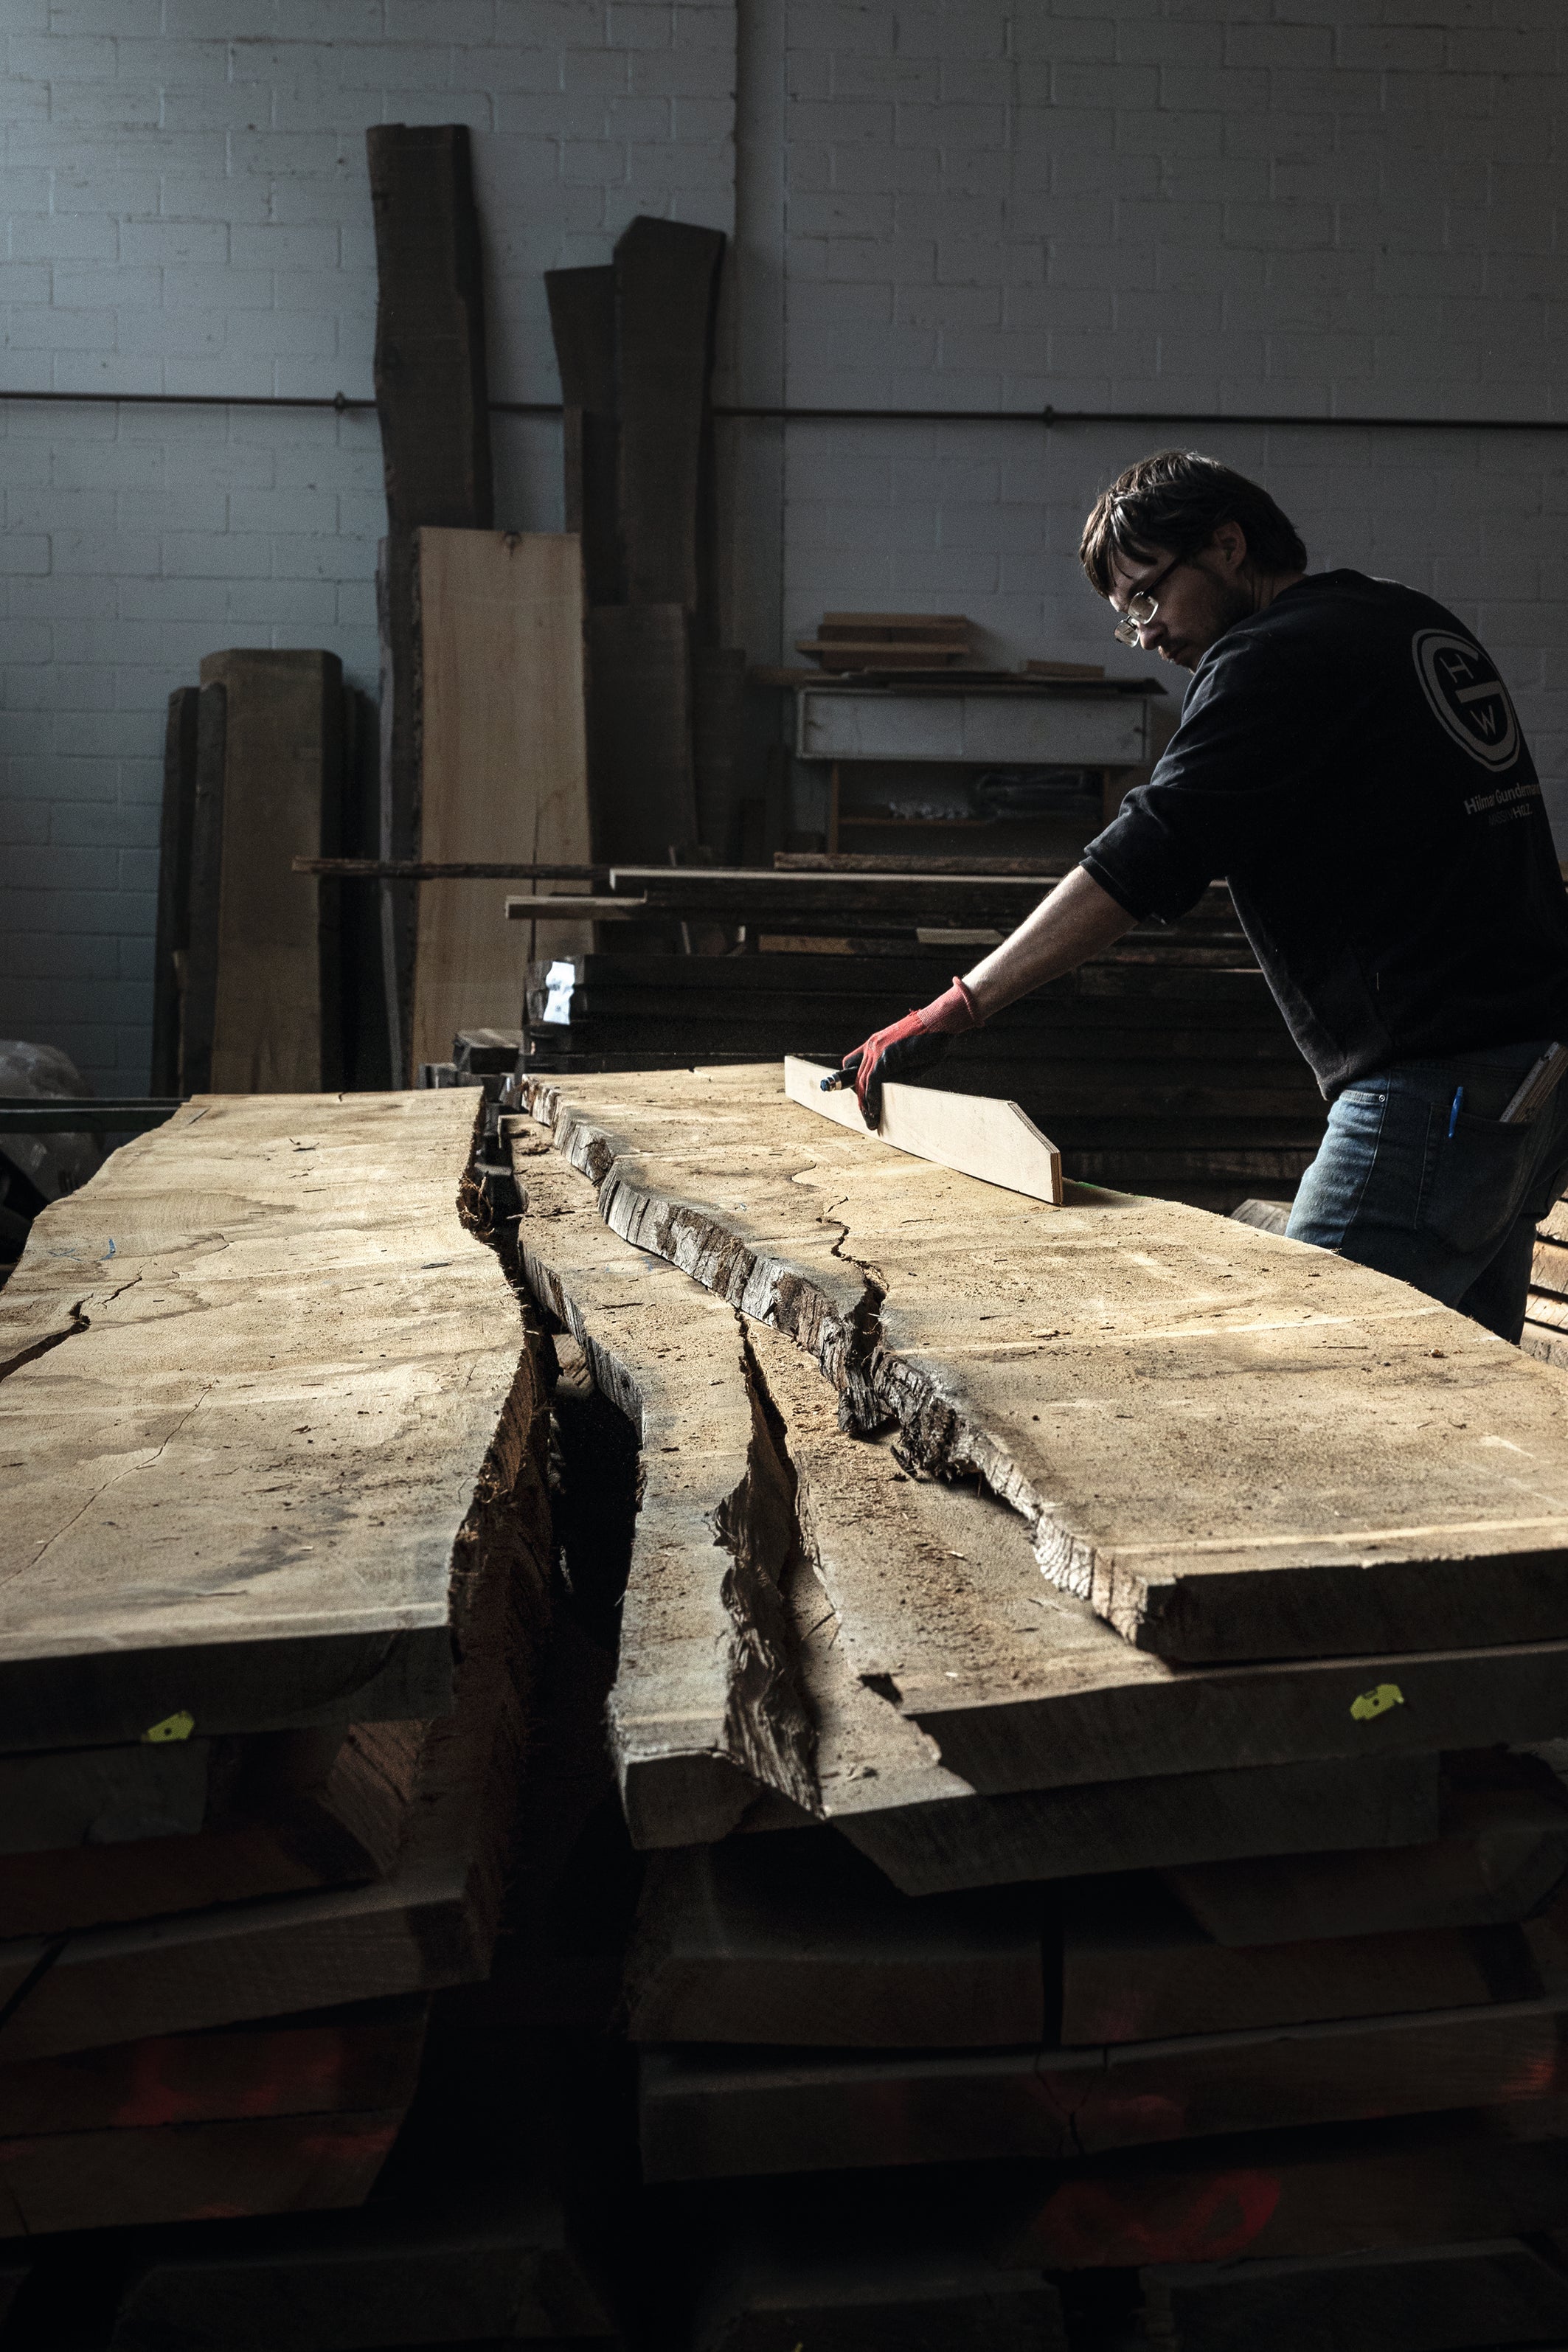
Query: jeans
{"points": [[1452, 1213]]}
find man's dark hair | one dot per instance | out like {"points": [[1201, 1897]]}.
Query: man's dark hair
{"points": [[1177, 500]]}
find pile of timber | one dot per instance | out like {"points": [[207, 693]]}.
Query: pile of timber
{"points": [[273, 1587], [1546, 1313], [1088, 1692], [1163, 1067]]}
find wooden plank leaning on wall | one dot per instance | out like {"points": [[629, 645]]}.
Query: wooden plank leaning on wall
{"points": [[504, 761]]}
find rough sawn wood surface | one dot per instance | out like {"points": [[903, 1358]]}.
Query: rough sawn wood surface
{"points": [[250, 1376], [1233, 1446]]}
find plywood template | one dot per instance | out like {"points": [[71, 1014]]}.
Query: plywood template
{"points": [[275, 1026], [503, 764], [975, 1134], [1231, 1445], [259, 1373]]}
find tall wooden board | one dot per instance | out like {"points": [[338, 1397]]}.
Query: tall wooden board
{"points": [[503, 762], [582, 322], [173, 934], [667, 292], [276, 1027], [644, 793]]}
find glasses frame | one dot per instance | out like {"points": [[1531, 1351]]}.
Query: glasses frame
{"points": [[1144, 603]]}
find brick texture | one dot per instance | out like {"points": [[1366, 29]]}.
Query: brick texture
{"points": [[1286, 208], [186, 210]]}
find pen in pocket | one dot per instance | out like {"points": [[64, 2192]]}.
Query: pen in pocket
{"points": [[1453, 1113]]}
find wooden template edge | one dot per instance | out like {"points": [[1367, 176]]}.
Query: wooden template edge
{"points": [[803, 1085]]}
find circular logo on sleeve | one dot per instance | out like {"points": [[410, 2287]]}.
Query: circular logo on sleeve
{"points": [[1467, 695]]}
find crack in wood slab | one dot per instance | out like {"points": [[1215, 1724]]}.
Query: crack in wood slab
{"points": [[704, 1715], [1195, 1419]]}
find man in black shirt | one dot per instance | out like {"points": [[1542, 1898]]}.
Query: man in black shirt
{"points": [[1349, 759]]}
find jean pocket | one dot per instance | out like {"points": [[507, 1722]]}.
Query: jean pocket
{"points": [[1478, 1181]]}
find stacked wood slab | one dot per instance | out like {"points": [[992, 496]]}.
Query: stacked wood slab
{"points": [[1159, 1612], [274, 1558]]}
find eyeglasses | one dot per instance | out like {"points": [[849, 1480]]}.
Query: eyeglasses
{"points": [[1143, 604]]}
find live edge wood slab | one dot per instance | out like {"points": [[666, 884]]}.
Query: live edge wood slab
{"points": [[250, 1377], [1233, 1446], [753, 1688]]}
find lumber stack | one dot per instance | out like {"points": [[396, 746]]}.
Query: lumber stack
{"points": [[1546, 1313], [1080, 1673], [274, 1582], [1163, 1067]]}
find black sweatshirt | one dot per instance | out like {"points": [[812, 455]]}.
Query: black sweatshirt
{"points": [[1350, 760]]}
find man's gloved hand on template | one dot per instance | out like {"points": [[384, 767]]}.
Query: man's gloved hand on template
{"points": [[907, 1047]]}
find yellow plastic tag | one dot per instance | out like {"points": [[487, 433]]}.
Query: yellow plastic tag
{"points": [[1376, 1702], [173, 1726]]}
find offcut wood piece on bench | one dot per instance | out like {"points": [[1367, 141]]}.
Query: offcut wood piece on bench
{"points": [[276, 1025], [258, 1365], [1426, 2300], [295, 2113], [978, 1135], [1287, 2194], [798, 1940], [503, 760], [943, 1612], [1235, 1446], [711, 2114], [877, 1776], [293, 1810], [703, 1716], [431, 1922]]}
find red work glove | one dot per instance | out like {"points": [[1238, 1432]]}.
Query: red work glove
{"points": [[915, 1042]]}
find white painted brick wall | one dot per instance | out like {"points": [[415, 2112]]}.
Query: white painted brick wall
{"points": [[1278, 208], [1287, 207], [186, 210]]}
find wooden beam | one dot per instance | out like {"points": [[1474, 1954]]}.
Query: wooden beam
{"points": [[975, 1134], [277, 1026], [172, 944], [666, 294]]}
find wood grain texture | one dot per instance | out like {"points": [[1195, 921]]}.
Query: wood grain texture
{"points": [[640, 718], [431, 1922], [667, 292], [260, 1369], [1432, 2299], [855, 2299], [191, 2172], [800, 1940], [582, 328], [488, 2263], [1233, 1446], [172, 944], [1135, 1968], [707, 2114], [431, 390], [1289, 2194], [277, 1023], [704, 1714], [941, 1611], [977, 1135], [339, 2061], [503, 764], [866, 1539]]}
